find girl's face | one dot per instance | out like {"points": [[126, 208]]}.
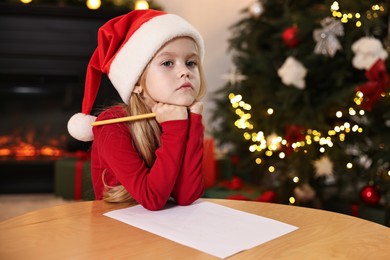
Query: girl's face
{"points": [[173, 77]]}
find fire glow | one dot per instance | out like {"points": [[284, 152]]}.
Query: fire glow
{"points": [[17, 148]]}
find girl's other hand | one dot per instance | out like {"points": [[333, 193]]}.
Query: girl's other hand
{"points": [[165, 112], [196, 107]]}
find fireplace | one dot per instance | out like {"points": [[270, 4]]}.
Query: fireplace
{"points": [[44, 51]]}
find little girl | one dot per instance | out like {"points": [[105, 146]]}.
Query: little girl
{"points": [[153, 60]]}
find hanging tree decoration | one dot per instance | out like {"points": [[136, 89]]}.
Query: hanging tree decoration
{"points": [[292, 72], [323, 167], [256, 9], [234, 77], [326, 38], [293, 135], [378, 82], [290, 36], [370, 194], [367, 51], [370, 55]]}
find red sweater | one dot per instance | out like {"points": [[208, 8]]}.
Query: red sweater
{"points": [[176, 172]]}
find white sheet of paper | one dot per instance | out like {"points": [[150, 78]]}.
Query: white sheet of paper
{"points": [[205, 226]]}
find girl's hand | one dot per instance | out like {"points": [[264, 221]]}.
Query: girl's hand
{"points": [[196, 108], [165, 112]]}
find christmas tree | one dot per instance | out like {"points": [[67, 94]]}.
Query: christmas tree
{"points": [[307, 111]]}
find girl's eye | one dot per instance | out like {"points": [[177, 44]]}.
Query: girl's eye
{"points": [[192, 63], [167, 63]]}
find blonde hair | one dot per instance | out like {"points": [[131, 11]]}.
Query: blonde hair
{"points": [[145, 134]]}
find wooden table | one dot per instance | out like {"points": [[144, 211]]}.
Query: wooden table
{"points": [[80, 231]]}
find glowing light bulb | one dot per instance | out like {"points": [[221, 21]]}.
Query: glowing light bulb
{"points": [[93, 4], [334, 6], [141, 5], [235, 98], [247, 107]]}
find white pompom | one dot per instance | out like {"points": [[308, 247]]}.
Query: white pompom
{"points": [[79, 127]]}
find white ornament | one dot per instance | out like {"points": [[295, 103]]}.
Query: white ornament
{"points": [[256, 9], [293, 73], [234, 77], [367, 51], [323, 167], [326, 37]]}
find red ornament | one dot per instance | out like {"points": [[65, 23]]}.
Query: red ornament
{"points": [[370, 194], [378, 82], [294, 133], [290, 37]]}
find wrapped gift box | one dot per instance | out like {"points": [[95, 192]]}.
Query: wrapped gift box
{"points": [[72, 178]]}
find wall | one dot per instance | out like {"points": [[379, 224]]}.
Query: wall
{"points": [[212, 18]]}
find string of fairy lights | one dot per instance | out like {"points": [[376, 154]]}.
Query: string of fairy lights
{"points": [[345, 17], [271, 145], [96, 4]]}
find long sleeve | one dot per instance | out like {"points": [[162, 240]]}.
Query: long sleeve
{"points": [[113, 150], [189, 185]]}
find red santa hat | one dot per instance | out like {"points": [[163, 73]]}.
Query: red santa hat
{"points": [[126, 44]]}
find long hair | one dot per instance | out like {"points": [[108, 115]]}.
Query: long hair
{"points": [[145, 134]]}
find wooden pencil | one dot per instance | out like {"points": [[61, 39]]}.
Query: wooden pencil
{"points": [[123, 119]]}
